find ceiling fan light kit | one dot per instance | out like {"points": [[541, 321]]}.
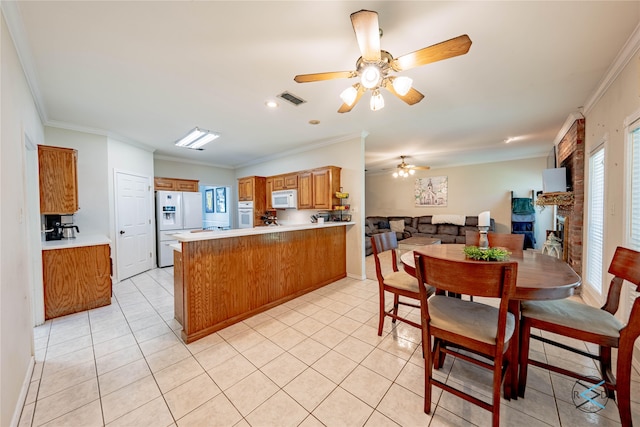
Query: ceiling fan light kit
{"points": [[348, 95], [374, 65], [377, 101], [404, 170]]}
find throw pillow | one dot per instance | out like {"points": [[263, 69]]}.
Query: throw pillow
{"points": [[383, 224], [397, 226]]}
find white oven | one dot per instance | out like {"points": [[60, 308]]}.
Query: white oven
{"points": [[245, 214]]}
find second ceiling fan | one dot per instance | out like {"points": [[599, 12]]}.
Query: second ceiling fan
{"points": [[375, 65], [403, 170]]}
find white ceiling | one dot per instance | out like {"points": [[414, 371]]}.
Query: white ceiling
{"points": [[149, 71]]}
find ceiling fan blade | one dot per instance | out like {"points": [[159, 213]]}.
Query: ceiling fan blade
{"points": [[365, 25], [412, 97], [344, 108], [316, 77], [423, 168], [437, 52]]}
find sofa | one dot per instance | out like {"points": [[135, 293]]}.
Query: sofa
{"points": [[406, 226]]}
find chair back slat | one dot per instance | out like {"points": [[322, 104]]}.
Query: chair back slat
{"points": [[512, 242], [383, 242], [477, 278], [626, 265]]}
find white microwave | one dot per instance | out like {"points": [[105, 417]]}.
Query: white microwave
{"points": [[284, 199]]}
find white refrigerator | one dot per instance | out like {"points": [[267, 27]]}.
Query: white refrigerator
{"points": [[176, 212]]}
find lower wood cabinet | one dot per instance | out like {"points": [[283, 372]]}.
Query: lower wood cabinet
{"points": [[76, 279]]}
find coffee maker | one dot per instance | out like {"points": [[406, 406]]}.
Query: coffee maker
{"points": [[52, 227]]}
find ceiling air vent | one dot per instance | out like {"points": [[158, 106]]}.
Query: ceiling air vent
{"points": [[291, 98]]}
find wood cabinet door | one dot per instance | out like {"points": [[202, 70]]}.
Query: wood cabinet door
{"points": [[326, 182], [305, 191], [268, 191], [186, 185], [245, 189], [164, 184], [58, 180], [291, 181], [76, 279], [321, 188], [278, 182]]}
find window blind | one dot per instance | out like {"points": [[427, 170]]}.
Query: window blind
{"points": [[595, 233], [634, 223]]}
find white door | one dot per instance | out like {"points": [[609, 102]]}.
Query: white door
{"points": [[134, 243]]}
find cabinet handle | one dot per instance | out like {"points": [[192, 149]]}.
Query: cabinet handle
{"points": [[121, 231]]}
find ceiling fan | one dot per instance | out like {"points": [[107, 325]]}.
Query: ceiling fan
{"points": [[375, 65], [404, 169]]}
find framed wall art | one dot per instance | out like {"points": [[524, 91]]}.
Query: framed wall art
{"points": [[431, 191], [221, 200], [208, 201]]}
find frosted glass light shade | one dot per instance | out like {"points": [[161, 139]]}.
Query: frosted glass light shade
{"points": [[377, 101], [348, 95], [402, 85], [370, 76]]}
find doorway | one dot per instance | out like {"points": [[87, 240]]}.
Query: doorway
{"points": [[134, 239], [215, 209]]}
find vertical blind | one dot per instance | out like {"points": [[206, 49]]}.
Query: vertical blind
{"points": [[596, 220], [634, 214]]}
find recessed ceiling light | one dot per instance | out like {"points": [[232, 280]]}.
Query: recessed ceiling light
{"points": [[271, 104], [314, 122]]}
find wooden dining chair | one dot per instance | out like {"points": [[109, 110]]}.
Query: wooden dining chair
{"points": [[399, 283], [455, 323], [512, 242], [598, 326]]}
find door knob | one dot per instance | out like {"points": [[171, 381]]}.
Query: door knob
{"points": [[121, 231]]}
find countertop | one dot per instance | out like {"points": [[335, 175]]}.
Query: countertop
{"points": [[222, 234], [79, 241]]}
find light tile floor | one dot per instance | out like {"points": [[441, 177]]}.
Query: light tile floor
{"points": [[316, 360]]}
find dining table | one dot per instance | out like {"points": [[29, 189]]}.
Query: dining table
{"points": [[540, 277]]}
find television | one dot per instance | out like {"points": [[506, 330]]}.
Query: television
{"points": [[554, 180]]}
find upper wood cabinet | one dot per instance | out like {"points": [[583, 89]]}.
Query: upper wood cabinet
{"points": [[58, 180], [285, 182], [326, 182], [305, 190], [254, 189], [269, 190], [175, 184], [317, 188]]}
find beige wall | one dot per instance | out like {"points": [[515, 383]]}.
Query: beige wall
{"points": [[605, 122], [472, 189], [207, 175], [93, 185], [19, 121]]}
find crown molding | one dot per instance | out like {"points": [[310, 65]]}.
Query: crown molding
{"points": [[100, 132], [13, 18], [628, 51], [626, 54]]}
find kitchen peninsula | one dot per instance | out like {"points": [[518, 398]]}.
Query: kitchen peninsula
{"points": [[224, 277]]}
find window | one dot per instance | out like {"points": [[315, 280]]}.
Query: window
{"points": [[634, 191], [595, 232]]}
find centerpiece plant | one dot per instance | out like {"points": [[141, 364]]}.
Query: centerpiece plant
{"points": [[488, 254]]}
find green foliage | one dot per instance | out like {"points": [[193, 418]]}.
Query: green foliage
{"points": [[489, 254]]}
